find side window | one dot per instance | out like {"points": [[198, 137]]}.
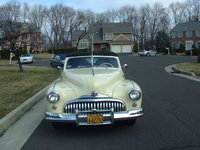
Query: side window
{"points": [[57, 57]]}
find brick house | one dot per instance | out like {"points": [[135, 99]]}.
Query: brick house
{"points": [[186, 33], [115, 37], [30, 40]]}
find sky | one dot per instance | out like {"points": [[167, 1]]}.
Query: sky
{"points": [[95, 5]]}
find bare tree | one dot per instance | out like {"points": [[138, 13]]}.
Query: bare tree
{"points": [[193, 9], [10, 11], [177, 11], [86, 17], [37, 15], [143, 26], [12, 34], [157, 20], [10, 28], [100, 18], [25, 10], [58, 24], [127, 14], [111, 16]]}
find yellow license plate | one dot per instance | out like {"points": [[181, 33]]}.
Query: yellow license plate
{"points": [[95, 119]]}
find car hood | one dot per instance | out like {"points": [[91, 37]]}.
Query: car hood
{"points": [[84, 80], [25, 57]]}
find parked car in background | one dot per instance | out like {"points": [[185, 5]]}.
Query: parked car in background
{"points": [[148, 53], [26, 58], [93, 91], [58, 60]]}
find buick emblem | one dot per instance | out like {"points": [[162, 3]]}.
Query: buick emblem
{"points": [[94, 93]]}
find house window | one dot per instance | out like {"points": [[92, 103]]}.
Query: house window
{"points": [[174, 34], [109, 36], [189, 34], [177, 46], [198, 33], [180, 34], [83, 44], [198, 45]]}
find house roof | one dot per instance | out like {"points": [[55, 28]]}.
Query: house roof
{"points": [[96, 30], [99, 29], [189, 26], [117, 28], [77, 33]]}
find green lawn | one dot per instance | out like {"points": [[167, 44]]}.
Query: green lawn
{"points": [[42, 55], [16, 87], [190, 67]]}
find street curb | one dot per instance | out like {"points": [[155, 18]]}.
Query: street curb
{"points": [[14, 115], [176, 70]]}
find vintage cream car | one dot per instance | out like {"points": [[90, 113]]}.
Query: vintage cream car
{"points": [[92, 90]]}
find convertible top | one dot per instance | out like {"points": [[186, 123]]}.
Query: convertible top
{"points": [[94, 53]]}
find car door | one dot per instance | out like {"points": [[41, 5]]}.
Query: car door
{"points": [[54, 61], [57, 61]]}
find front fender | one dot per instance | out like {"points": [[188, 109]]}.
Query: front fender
{"points": [[122, 90], [66, 93]]}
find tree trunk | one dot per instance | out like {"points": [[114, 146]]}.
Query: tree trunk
{"points": [[17, 54], [20, 65]]}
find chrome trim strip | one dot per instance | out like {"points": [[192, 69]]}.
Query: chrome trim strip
{"points": [[94, 100], [89, 104], [57, 117]]}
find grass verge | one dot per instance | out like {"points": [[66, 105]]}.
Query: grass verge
{"points": [[190, 67], [6, 62], [16, 87], [42, 55]]}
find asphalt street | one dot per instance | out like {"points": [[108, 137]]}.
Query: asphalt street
{"points": [[171, 115], [40, 62]]}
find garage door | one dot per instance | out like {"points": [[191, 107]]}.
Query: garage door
{"points": [[126, 49], [121, 48], [116, 48]]}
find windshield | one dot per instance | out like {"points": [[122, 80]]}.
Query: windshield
{"points": [[25, 55], [85, 62], [63, 56]]}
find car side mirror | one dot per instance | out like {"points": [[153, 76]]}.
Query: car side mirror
{"points": [[125, 66], [59, 68]]}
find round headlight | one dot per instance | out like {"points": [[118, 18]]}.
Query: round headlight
{"points": [[134, 94], [53, 96]]}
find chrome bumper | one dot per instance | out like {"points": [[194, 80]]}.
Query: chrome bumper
{"points": [[81, 119]]}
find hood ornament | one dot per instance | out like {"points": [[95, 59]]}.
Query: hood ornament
{"points": [[94, 93]]}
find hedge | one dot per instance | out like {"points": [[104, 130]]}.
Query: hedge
{"points": [[196, 51], [5, 54], [66, 50]]}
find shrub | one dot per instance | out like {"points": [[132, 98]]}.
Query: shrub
{"points": [[182, 48], [19, 53], [66, 50], [5, 54], [196, 51], [198, 58]]}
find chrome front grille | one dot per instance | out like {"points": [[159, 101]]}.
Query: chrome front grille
{"points": [[72, 107]]}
